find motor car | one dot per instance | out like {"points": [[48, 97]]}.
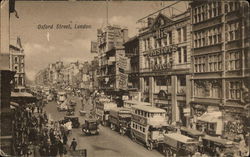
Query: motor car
{"points": [[74, 120], [62, 107], [90, 127]]}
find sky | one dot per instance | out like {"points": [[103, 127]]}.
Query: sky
{"points": [[44, 46]]}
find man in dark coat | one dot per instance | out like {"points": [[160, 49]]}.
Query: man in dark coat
{"points": [[65, 139], [73, 144], [61, 148]]}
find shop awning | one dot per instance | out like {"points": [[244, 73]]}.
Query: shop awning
{"points": [[218, 140], [210, 117], [181, 138], [192, 131], [22, 97]]}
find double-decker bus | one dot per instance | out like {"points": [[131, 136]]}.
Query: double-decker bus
{"points": [[102, 111], [148, 125], [119, 119]]}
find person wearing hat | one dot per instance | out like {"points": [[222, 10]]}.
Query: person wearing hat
{"points": [[73, 144]]}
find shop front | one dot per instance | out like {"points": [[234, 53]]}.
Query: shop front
{"points": [[207, 119], [163, 100]]}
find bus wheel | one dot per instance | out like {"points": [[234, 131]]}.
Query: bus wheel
{"points": [[150, 146], [122, 132], [133, 137]]}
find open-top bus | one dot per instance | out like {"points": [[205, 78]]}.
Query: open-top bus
{"points": [[148, 124]]}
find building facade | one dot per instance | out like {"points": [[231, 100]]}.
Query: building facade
{"points": [[112, 60], [164, 58], [17, 64], [220, 67]]}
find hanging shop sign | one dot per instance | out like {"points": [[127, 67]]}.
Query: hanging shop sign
{"points": [[123, 81], [162, 50]]}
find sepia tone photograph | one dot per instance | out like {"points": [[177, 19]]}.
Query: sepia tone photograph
{"points": [[124, 78]]}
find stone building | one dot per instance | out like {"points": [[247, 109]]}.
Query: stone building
{"points": [[17, 64], [112, 60], [164, 57], [220, 67]]}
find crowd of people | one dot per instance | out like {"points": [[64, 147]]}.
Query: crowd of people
{"points": [[36, 135]]}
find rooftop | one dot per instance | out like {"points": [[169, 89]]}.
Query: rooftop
{"points": [[148, 108]]}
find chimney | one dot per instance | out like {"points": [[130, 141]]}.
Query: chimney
{"points": [[125, 34], [150, 21]]}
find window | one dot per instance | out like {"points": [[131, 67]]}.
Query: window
{"points": [[179, 35], [232, 31], [182, 81], [234, 90], [185, 54], [214, 62], [170, 37], [234, 60], [199, 65], [15, 67], [179, 54], [16, 60], [184, 33]]}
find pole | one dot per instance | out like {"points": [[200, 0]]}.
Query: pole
{"points": [[107, 12]]}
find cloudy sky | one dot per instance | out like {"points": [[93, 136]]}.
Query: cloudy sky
{"points": [[70, 44]]}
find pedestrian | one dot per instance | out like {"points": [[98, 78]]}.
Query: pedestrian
{"points": [[65, 139], [73, 144], [61, 148]]}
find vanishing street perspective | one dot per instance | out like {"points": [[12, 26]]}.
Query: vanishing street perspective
{"points": [[124, 78]]}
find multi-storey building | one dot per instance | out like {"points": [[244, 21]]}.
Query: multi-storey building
{"points": [[17, 64], [220, 69], [164, 58], [112, 61], [132, 54]]}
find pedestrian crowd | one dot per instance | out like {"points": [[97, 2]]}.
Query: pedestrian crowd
{"points": [[36, 135]]}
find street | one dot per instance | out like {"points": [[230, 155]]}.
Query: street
{"points": [[107, 144]]}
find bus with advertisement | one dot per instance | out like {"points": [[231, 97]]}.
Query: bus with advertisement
{"points": [[119, 119], [148, 125], [102, 110]]}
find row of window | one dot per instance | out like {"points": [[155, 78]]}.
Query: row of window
{"points": [[154, 43], [234, 60], [158, 60], [17, 59], [147, 114], [208, 37], [215, 90], [212, 9], [206, 11], [214, 63], [211, 92], [235, 90], [138, 127], [232, 6], [232, 31]]}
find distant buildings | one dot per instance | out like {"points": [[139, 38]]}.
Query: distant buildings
{"points": [[112, 60], [17, 64]]}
